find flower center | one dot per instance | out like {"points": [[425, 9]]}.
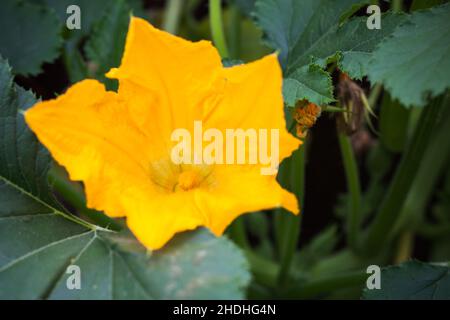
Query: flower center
{"points": [[175, 178], [188, 180]]}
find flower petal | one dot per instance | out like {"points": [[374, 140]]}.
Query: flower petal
{"points": [[179, 72], [88, 131], [155, 220], [252, 98], [239, 190]]}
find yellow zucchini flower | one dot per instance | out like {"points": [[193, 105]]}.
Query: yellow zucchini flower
{"points": [[119, 143]]}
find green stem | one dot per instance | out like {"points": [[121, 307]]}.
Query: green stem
{"points": [[389, 211], [374, 94], [432, 165], [414, 118], [397, 5], [215, 20], [172, 15], [289, 225], [235, 32], [333, 109], [393, 124], [354, 189], [405, 247], [74, 197]]}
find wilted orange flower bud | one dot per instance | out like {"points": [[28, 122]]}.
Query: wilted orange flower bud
{"points": [[305, 114]]}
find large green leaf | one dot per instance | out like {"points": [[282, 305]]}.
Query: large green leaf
{"points": [[106, 44], [310, 31], [413, 63], [30, 35], [37, 249], [23, 161], [412, 280], [38, 241]]}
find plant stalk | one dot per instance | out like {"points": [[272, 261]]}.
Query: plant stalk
{"points": [[433, 163], [353, 219], [235, 32], [390, 208], [405, 247], [289, 224], [172, 15], [216, 25]]}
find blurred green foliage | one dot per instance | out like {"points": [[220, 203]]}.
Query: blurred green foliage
{"points": [[398, 168]]}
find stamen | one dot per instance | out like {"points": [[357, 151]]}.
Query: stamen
{"points": [[174, 178], [188, 180]]}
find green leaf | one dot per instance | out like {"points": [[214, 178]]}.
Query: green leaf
{"points": [[113, 265], [105, 46], [30, 36], [38, 241], [311, 31], [302, 29], [356, 43], [23, 161], [413, 64], [196, 265], [412, 280], [309, 82]]}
